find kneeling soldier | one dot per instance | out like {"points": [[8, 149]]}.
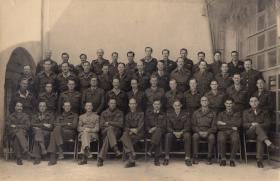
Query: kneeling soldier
{"points": [[204, 127], [228, 124], [133, 131], [111, 123], [88, 130], [65, 129], [256, 123], [178, 127], [18, 125], [42, 125], [156, 127]]}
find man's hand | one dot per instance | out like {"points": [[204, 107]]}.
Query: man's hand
{"points": [[13, 126], [133, 130], [221, 123], [178, 134], [47, 125], [106, 123], [235, 128], [152, 129], [69, 124], [203, 134], [255, 124], [87, 129]]}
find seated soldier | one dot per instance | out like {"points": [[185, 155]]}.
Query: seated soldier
{"points": [[111, 123], [178, 127], [156, 127], [228, 124], [204, 127], [42, 125], [17, 126], [65, 126], [88, 130], [133, 131], [256, 123]]}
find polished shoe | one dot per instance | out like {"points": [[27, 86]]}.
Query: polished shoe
{"points": [[223, 163], [231, 163], [51, 163], [260, 164], [36, 162], [209, 161], [188, 162], [165, 162], [130, 164], [19, 162], [99, 162], [156, 162], [194, 161], [82, 162]]}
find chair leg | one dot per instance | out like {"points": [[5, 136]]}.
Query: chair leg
{"points": [[240, 153], [75, 150], [146, 149], [245, 150]]}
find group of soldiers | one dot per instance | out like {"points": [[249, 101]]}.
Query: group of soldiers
{"points": [[162, 100]]}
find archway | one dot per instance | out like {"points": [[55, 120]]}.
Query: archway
{"points": [[18, 58]]}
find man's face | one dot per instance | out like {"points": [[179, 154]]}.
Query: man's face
{"points": [[47, 65], [254, 102], [88, 107], [204, 101], [83, 58], [116, 83], [130, 57], [214, 85], [121, 68], [234, 56], [156, 105], [201, 57], [153, 81], [100, 53], [180, 63], [202, 66], [86, 67], [132, 104], [42, 107], [65, 58], [67, 107], [236, 79], [18, 107], [93, 82], [247, 65], [49, 88], [160, 66], [165, 54], [48, 54], [177, 106], [140, 66], [228, 105], [148, 52], [105, 69], [65, 68], [27, 70], [134, 84], [260, 84], [217, 57], [193, 84], [71, 85], [183, 53], [224, 68], [23, 85], [112, 104], [115, 57], [172, 84]]}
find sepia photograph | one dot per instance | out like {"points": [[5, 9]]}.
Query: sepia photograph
{"points": [[140, 90]]}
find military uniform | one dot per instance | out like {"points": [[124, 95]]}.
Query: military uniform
{"points": [[216, 101], [97, 65], [215, 67], [27, 100], [152, 95], [40, 66], [203, 81], [74, 97], [178, 123], [258, 132], [62, 81], [42, 79], [18, 135], [96, 97], [149, 66], [239, 97], [163, 80], [90, 122], [224, 81], [182, 78], [105, 82], [121, 98], [191, 101], [204, 121], [113, 68], [169, 65], [226, 132], [131, 68], [249, 80], [171, 96], [140, 98], [110, 132], [266, 100], [71, 68], [235, 68], [188, 64], [125, 79], [84, 80], [30, 79], [143, 79], [41, 134], [50, 99]]}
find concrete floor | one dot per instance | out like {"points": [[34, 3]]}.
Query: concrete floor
{"points": [[145, 171]]}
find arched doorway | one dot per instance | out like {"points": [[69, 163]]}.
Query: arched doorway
{"points": [[18, 58]]}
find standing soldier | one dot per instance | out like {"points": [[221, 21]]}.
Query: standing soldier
{"points": [[169, 65], [50, 98], [154, 93], [44, 77], [238, 93], [256, 123], [172, 95], [131, 66], [96, 65], [64, 76], [155, 126], [204, 127], [215, 97], [138, 95], [27, 74], [163, 77], [41, 67], [88, 130], [113, 67], [188, 63], [203, 78], [85, 77], [200, 57], [215, 67], [65, 128], [223, 79], [142, 77], [133, 131], [42, 125], [119, 95], [181, 75], [65, 59], [111, 123], [192, 97], [95, 95], [178, 128], [79, 68], [72, 96], [18, 124], [123, 77], [228, 126], [235, 66], [150, 63], [105, 79]]}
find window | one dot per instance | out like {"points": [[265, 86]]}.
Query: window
{"points": [[271, 17], [255, 66], [261, 5], [261, 42], [272, 83], [271, 56], [261, 22], [252, 45], [260, 61], [271, 37], [252, 26]]}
